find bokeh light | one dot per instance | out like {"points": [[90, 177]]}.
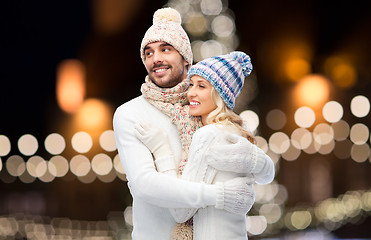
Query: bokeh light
{"points": [[223, 26], [291, 154], [211, 7], [360, 106], [360, 153], [5, 146], [251, 118], [55, 143], [276, 119], [80, 165], [196, 24], [15, 165], [332, 111], [256, 225], [296, 68], [101, 164], [279, 142], [36, 166], [262, 143], [300, 219], [301, 138], [82, 142], [341, 130], [117, 164], [359, 133], [272, 212], [304, 117], [70, 85], [58, 166], [211, 48], [323, 133], [312, 90], [28, 145], [342, 149], [94, 114], [341, 71], [107, 141]]}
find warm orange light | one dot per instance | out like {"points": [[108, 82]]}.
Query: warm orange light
{"points": [[313, 91], [341, 71], [296, 68], [93, 115], [70, 85]]}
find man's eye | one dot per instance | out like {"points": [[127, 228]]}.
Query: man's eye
{"points": [[148, 53]]}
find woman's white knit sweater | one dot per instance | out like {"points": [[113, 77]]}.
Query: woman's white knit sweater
{"points": [[209, 222], [153, 192]]}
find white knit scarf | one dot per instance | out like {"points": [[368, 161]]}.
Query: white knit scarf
{"points": [[174, 103]]}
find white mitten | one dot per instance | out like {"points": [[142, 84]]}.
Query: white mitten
{"points": [[154, 138], [235, 153], [236, 195]]}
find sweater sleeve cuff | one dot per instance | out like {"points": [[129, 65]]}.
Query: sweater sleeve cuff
{"points": [[260, 161], [219, 195], [165, 164]]}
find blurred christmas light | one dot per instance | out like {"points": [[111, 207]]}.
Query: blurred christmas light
{"points": [[360, 106], [55, 143], [312, 91], [276, 119], [332, 111], [70, 86], [82, 142], [28, 145], [5, 146], [251, 118], [304, 117]]}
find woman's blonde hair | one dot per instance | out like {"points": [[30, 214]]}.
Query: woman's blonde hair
{"points": [[224, 115]]}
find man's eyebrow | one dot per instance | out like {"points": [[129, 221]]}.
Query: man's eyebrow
{"points": [[166, 44], [146, 48]]}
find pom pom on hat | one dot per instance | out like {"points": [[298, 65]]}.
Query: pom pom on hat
{"points": [[226, 73], [167, 15], [243, 59], [167, 28]]}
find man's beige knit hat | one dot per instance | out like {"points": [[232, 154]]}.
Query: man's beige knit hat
{"points": [[167, 28]]}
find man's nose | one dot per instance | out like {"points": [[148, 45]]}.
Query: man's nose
{"points": [[157, 57]]}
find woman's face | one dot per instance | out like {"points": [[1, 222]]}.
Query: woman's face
{"points": [[199, 96]]}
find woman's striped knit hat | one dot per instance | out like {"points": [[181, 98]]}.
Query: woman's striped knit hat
{"points": [[226, 73]]}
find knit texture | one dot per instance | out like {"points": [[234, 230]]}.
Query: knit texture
{"points": [[235, 197], [172, 102], [226, 73], [167, 28]]}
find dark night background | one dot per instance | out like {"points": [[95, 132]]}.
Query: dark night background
{"points": [[37, 35]]}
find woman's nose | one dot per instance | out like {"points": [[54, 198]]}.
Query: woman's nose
{"points": [[191, 92]]}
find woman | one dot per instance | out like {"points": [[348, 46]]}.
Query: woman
{"points": [[214, 85]]}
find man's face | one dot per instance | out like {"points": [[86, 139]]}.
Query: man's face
{"points": [[165, 66]]}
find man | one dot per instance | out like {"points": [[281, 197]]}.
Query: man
{"points": [[166, 54]]}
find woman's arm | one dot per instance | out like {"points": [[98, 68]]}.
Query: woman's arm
{"points": [[241, 156]]}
